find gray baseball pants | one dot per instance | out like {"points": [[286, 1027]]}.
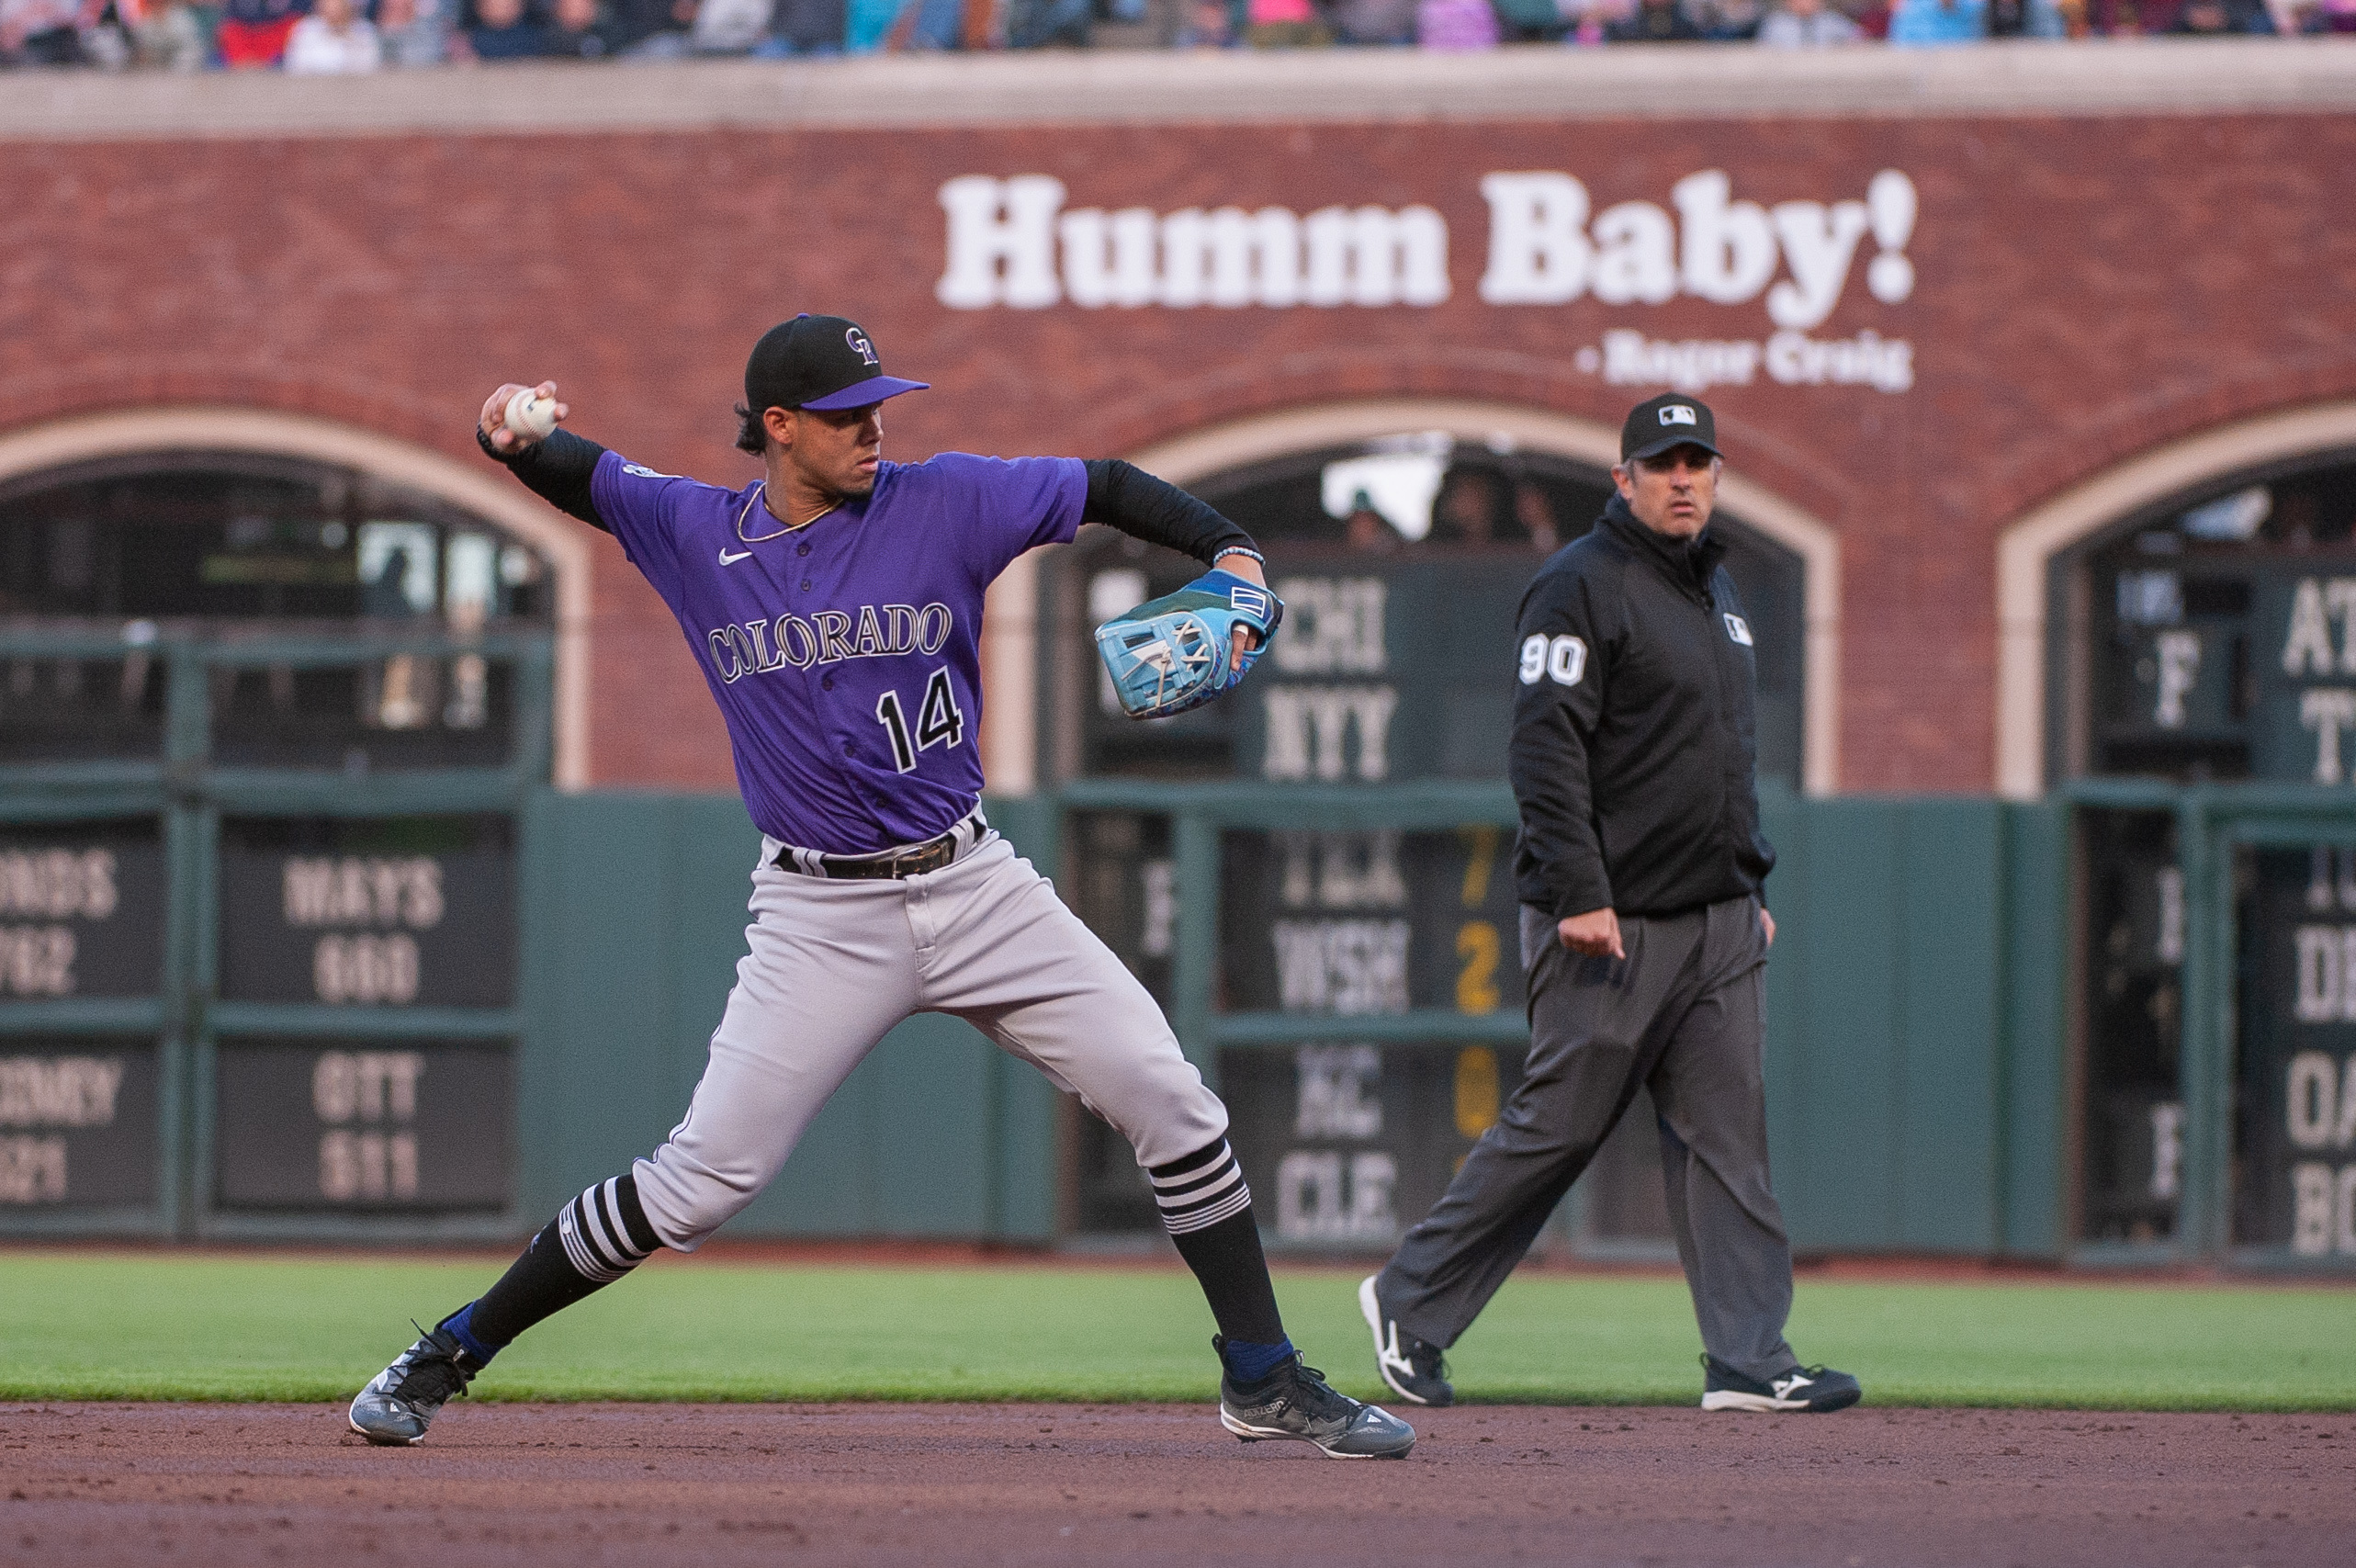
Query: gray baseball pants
{"points": [[1683, 1015], [832, 965]]}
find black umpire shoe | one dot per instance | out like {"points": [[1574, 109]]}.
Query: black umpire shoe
{"points": [[1816, 1389], [1294, 1402], [399, 1402], [1414, 1368]]}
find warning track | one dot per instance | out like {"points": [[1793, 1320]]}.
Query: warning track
{"points": [[651, 1485]]}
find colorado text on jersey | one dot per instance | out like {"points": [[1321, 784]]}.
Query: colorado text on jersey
{"points": [[826, 636]]}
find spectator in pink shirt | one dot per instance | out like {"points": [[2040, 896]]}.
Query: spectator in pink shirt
{"points": [[1456, 26], [1286, 24]]}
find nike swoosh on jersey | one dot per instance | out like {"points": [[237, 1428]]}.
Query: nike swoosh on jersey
{"points": [[727, 560]]}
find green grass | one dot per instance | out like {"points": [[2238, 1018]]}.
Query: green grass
{"points": [[98, 1326]]}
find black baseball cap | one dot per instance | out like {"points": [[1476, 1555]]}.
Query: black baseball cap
{"points": [[819, 362], [1670, 420]]}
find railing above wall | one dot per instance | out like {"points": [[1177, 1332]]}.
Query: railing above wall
{"points": [[410, 719]]}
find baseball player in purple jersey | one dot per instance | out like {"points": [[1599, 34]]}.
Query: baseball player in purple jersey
{"points": [[835, 606]]}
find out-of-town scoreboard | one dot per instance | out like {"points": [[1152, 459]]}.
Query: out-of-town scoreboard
{"points": [[260, 994], [82, 915], [1354, 1139]]}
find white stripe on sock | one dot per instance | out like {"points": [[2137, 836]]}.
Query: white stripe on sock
{"points": [[1211, 1192], [577, 1251], [625, 1244], [597, 1208], [579, 1227], [1198, 1199], [1223, 1160], [1232, 1204]]}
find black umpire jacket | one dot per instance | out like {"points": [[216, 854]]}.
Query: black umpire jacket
{"points": [[1634, 750]]}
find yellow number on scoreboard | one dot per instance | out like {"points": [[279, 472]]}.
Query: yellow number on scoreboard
{"points": [[1476, 983]]}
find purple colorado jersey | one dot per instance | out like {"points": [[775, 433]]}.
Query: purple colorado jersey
{"points": [[845, 655]]}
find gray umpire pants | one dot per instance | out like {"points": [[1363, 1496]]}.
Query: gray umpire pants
{"points": [[1683, 1015]]}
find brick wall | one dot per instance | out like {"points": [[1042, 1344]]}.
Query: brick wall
{"points": [[2084, 289]]}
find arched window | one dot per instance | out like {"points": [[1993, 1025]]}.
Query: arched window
{"points": [[2190, 634], [107, 561], [235, 538], [2198, 610]]}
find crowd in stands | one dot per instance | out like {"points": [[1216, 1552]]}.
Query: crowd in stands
{"points": [[345, 36]]}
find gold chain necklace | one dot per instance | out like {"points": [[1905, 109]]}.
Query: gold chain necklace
{"points": [[759, 489]]}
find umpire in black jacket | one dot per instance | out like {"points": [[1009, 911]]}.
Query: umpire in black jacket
{"points": [[1640, 868]]}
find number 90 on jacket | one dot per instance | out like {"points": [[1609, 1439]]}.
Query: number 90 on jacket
{"points": [[1561, 658]]}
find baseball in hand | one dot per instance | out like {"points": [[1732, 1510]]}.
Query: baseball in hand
{"points": [[530, 415]]}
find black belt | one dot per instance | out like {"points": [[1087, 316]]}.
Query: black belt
{"points": [[914, 861]]}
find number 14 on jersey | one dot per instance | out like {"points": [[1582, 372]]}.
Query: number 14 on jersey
{"points": [[939, 721]]}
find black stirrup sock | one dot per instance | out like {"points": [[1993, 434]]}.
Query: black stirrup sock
{"points": [[1207, 1209], [593, 1241]]}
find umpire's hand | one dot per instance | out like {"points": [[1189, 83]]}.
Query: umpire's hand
{"points": [[494, 416], [1595, 933]]}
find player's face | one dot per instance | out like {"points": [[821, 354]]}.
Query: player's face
{"points": [[1671, 492], [835, 451]]}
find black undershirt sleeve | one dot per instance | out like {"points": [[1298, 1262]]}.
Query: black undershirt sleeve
{"points": [[1123, 496], [558, 470]]}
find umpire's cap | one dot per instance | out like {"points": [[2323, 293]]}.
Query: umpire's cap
{"points": [[1670, 420], [818, 361]]}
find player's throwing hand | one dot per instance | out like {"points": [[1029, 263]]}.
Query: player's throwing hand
{"points": [[494, 416]]}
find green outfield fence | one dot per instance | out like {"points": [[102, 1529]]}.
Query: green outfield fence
{"points": [[1915, 1049], [1919, 1065]]}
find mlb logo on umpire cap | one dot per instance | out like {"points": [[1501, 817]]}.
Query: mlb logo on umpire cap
{"points": [[1670, 420]]}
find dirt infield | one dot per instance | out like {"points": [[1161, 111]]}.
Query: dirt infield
{"points": [[652, 1485]]}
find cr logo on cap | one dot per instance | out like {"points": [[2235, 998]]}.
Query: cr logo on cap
{"points": [[1674, 413], [866, 351]]}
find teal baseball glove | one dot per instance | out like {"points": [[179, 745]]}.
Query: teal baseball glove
{"points": [[1178, 651]]}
